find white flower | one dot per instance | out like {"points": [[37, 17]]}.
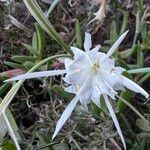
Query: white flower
{"points": [[91, 74]]}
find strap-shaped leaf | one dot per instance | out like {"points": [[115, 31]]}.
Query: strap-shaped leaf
{"points": [[39, 16]]}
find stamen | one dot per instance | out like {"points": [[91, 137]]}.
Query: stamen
{"points": [[77, 86], [112, 70]]}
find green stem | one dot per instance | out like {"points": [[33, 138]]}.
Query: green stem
{"points": [[133, 108], [140, 70], [144, 78]]}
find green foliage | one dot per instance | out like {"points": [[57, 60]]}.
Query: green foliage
{"points": [[8, 145], [36, 50], [60, 90], [78, 35]]}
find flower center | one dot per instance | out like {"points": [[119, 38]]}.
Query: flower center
{"points": [[95, 68]]}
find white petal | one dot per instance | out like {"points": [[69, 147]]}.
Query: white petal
{"points": [[87, 42], [68, 62], [96, 56], [85, 91], [37, 75], [71, 89], [133, 86], [95, 49], [96, 94], [76, 77], [119, 70], [104, 87], [80, 64], [96, 99], [66, 114], [84, 102], [112, 113], [107, 64], [113, 79], [116, 44], [77, 52]]}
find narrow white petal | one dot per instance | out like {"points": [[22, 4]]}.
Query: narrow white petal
{"points": [[119, 70], [68, 62], [114, 118], [95, 49], [66, 114], [133, 86], [105, 87], [71, 89], [87, 42], [37, 75], [96, 100], [96, 95], [116, 44], [77, 52]]}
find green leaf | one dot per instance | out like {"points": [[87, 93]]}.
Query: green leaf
{"points": [[121, 62], [109, 42], [14, 65], [23, 59], [28, 65], [4, 88], [139, 70], [113, 31], [60, 147], [78, 34], [3, 128], [124, 22], [34, 47], [143, 136], [41, 39], [31, 49], [127, 95], [39, 16], [127, 125], [144, 30], [8, 145], [143, 125], [140, 57], [51, 8], [59, 89], [44, 139], [126, 53], [144, 78]]}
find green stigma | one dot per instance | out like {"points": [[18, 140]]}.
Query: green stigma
{"points": [[95, 67]]}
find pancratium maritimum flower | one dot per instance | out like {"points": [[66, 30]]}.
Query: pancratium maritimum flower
{"points": [[91, 74]]}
